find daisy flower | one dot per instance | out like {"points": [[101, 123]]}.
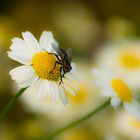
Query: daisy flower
{"points": [[38, 61], [118, 90], [60, 114], [125, 62]]}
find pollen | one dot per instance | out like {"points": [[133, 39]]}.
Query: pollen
{"points": [[122, 90], [130, 60], [43, 64]]}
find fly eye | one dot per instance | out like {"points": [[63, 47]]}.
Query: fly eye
{"points": [[66, 68]]}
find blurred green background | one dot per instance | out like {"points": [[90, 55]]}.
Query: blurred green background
{"points": [[84, 26]]}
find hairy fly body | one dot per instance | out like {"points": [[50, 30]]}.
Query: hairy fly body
{"points": [[63, 59]]}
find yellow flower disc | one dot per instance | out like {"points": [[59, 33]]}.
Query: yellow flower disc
{"points": [[130, 60], [122, 90], [81, 95], [135, 123], [43, 64]]}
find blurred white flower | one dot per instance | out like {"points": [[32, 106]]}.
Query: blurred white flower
{"points": [[127, 125], [114, 87], [36, 72], [124, 59]]}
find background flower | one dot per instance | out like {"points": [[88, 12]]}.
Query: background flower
{"points": [[117, 89], [124, 59]]}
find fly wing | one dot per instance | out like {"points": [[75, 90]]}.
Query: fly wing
{"points": [[58, 50], [69, 53]]}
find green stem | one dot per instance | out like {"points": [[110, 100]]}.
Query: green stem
{"points": [[61, 130], [11, 104]]}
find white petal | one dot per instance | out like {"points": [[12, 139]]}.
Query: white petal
{"points": [[31, 41], [45, 92], [72, 84], [100, 74], [102, 84], [48, 88], [74, 69], [63, 96], [24, 75], [20, 52], [19, 44], [56, 90], [115, 102], [69, 90], [46, 41], [133, 108], [19, 57], [53, 92], [72, 76], [107, 93], [41, 89]]}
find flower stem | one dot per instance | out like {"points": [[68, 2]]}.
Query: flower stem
{"points": [[11, 104], [61, 130]]}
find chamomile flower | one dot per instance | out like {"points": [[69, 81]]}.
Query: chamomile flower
{"points": [[118, 90], [60, 114], [37, 65], [123, 57]]}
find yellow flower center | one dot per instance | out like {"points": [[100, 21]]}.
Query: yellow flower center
{"points": [[43, 64], [135, 123], [122, 90], [80, 97], [130, 60]]}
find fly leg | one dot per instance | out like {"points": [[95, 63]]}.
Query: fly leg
{"points": [[57, 56], [61, 76], [57, 62], [61, 80]]}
